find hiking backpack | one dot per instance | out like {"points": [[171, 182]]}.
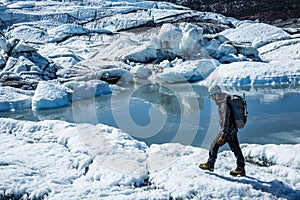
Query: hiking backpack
{"points": [[239, 108]]}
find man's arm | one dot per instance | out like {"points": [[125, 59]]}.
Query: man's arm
{"points": [[225, 127]]}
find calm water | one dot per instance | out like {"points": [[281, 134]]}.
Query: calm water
{"points": [[182, 113]]}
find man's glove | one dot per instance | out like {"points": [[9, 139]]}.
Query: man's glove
{"points": [[221, 141]]}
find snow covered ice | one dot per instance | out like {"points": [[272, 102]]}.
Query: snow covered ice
{"points": [[55, 53], [63, 160]]}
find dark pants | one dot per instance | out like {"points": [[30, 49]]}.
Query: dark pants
{"points": [[233, 143]]}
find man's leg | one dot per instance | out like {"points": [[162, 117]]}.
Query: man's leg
{"points": [[213, 152], [240, 161], [236, 149]]}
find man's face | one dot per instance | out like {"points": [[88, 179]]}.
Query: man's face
{"points": [[214, 97]]}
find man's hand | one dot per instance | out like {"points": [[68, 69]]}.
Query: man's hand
{"points": [[220, 141]]}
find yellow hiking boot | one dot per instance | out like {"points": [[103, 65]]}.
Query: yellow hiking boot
{"points": [[205, 167], [239, 171]]}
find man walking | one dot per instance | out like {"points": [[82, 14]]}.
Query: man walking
{"points": [[227, 134]]}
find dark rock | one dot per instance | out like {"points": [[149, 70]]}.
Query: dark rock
{"points": [[264, 10]]}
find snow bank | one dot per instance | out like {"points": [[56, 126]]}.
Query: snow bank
{"points": [[256, 73], [37, 160], [55, 159], [269, 155]]}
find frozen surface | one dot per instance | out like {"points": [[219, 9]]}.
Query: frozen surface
{"points": [[53, 52], [55, 159]]}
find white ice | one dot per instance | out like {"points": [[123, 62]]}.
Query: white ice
{"points": [[57, 160], [14, 99], [256, 73]]}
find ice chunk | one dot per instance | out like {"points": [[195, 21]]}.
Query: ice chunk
{"points": [[254, 33], [189, 71], [281, 50], [49, 95], [63, 31], [84, 90], [256, 73], [13, 99], [190, 42]]}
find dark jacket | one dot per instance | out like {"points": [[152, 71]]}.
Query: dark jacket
{"points": [[226, 121]]}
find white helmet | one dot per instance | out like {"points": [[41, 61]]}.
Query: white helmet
{"points": [[213, 90]]}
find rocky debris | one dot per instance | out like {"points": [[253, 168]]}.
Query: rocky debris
{"points": [[266, 11], [25, 85]]}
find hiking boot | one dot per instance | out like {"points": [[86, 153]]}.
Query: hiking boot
{"points": [[204, 166], [239, 171]]}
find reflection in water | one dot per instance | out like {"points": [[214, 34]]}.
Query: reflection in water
{"points": [[184, 114], [173, 98], [159, 113]]}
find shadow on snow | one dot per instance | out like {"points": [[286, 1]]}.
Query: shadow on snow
{"points": [[275, 187]]}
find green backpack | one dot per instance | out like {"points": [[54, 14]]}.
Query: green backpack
{"points": [[238, 105]]}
